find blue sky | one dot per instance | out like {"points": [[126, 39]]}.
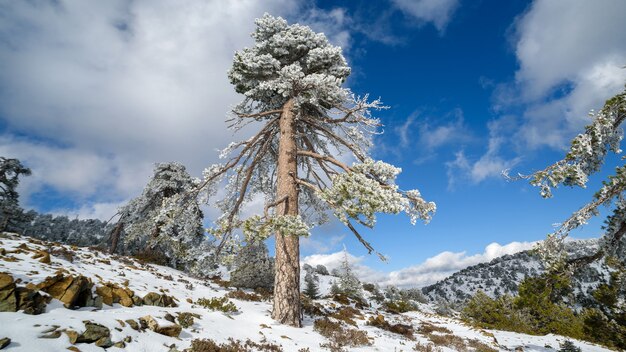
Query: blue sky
{"points": [[93, 93]]}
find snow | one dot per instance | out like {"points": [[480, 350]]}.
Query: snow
{"points": [[252, 322]]}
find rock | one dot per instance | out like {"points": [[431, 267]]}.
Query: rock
{"points": [[133, 324], [73, 348], [128, 339], [104, 342], [169, 318], [93, 333], [73, 291], [31, 301], [8, 298], [160, 300], [43, 256], [4, 342], [73, 336], [113, 293], [51, 335], [13, 298], [119, 344], [172, 329]]}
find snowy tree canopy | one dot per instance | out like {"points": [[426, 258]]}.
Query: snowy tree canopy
{"points": [[291, 68], [154, 220], [585, 157], [10, 211]]}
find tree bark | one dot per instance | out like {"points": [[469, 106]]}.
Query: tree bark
{"points": [[286, 308], [115, 236]]}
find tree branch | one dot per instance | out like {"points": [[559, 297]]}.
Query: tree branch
{"points": [[324, 158], [367, 245], [273, 204], [260, 114]]}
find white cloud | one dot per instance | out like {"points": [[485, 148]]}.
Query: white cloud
{"points": [[489, 165], [437, 12], [103, 90], [571, 56], [430, 271]]}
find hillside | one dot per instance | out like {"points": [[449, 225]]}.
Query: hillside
{"points": [[71, 298], [502, 276]]}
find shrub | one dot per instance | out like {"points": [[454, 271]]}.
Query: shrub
{"points": [[568, 346], [221, 304], [427, 329], [397, 307], [347, 315], [244, 296], [380, 322], [448, 340], [185, 319], [339, 336], [208, 345], [426, 347]]}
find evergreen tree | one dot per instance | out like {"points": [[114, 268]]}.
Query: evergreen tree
{"points": [[12, 216], [349, 284], [155, 223], [253, 267], [568, 346], [292, 82], [311, 288]]}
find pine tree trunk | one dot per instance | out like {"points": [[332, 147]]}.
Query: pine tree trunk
{"points": [[287, 275], [115, 236]]}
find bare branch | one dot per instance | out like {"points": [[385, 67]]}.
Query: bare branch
{"points": [[367, 245], [273, 204], [324, 158], [260, 114]]}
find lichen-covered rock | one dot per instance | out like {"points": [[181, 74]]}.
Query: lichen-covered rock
{"points": [[73, 291], [253, 267], [159, 300], [164, 327]]}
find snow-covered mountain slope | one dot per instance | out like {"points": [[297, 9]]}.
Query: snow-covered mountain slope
{"points": [[128, 305], [503, 275]]}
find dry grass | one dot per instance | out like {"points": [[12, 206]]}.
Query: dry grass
{"points": [[339, 336]]}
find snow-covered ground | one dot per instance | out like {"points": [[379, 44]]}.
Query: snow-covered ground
{"points": [[252, 322]]}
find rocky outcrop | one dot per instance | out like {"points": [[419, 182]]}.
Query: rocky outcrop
{"points": [[164, 327], [14, 298], [73, 291], [4, 342], [160, 300]]}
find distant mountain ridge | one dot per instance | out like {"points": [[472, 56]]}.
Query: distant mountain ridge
{"points": [[503, 275]]}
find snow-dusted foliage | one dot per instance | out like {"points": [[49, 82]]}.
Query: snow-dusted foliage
{"points": [[585, 157], [253, 267], [160, 221], [11, 215], [347, 283], [290, 65]]}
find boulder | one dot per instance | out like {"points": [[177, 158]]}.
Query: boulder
{"points": [[164, 327], [93, 332], [13, 298], [160, 300], [8, 298], [73, 291], [72, 335], [113, 293]]}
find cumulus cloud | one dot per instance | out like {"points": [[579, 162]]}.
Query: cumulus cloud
{"points": [[430, 271], [99, 91], [437, 12], [571, 56]]}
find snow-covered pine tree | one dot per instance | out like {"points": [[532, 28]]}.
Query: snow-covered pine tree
{"points": [[349, 284], [584, 158], [12, 216], [253, 267], [147, 223], [292, 80], [311, 286]]}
